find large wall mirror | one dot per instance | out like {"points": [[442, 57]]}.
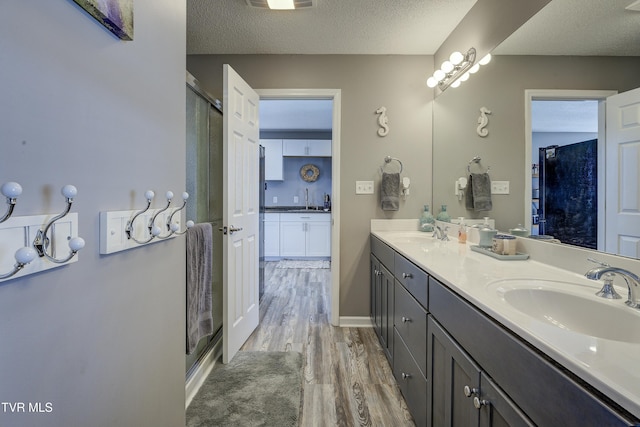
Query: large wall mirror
{"points": [[571, 47]]}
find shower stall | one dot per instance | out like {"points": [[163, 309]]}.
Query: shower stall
{"points": [[204, 185]]}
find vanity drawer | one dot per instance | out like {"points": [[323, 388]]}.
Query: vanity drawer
{"points": [[545, 391], [412, 278], [383, 252], [410, 320], [412, 383]]}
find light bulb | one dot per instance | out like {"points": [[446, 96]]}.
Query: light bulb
{"points": [[456, 58], [69, 191], [11, 189], [432, 82], [464, 77], [25, 255], [474, 69], [486, 59], [149, 195], [447, 67], [76, 244], [439, 75], [456, 83]]}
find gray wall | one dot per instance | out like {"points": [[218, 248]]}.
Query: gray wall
{"points": [[367, 82], [500, 87], [103, 339]]}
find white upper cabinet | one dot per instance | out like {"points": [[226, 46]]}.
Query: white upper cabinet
{"points": [[306, 147], [273, 166]]}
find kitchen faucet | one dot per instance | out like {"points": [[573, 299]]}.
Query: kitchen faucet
{"points": [[633, 282], [306, 198]]}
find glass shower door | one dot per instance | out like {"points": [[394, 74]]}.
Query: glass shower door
{"points": [[204, 185]]}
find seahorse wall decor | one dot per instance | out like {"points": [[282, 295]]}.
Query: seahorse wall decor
{"points": [[483, 122], [383, 121]]}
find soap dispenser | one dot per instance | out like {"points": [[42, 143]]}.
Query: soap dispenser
{"points": [[426, 220], [462, 231]]}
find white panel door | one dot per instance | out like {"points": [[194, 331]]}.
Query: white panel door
{"points": [[623, 174], [240, 213]]}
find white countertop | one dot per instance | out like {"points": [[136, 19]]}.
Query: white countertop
{"points": [[613, 367]]}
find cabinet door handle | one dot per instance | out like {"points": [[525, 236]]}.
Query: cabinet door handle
{"points": [[406, 376], [407, 275], [479, 403], [470, 391], [406, 319]]}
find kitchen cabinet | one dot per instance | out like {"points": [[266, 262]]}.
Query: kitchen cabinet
{"points": [[306, 147], [305, 235], [272, 235], [273, 160]]}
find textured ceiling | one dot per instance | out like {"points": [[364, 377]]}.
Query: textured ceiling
{"points": [[399, 27], [404, 27]]}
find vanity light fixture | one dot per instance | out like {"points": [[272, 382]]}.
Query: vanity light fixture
{"points": [[457, 69], [281, 4]]}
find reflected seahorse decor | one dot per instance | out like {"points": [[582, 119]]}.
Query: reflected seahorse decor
{"points": [[383, 121], [483, 122]]}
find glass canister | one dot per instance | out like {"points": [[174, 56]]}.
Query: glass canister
{"points": [[443, 215], [427, 220]]}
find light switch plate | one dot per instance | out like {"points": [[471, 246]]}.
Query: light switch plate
{"points": [[499, 187], [364, 187]]}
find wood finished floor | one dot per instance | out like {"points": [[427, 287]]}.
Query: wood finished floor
{"points": [[347, 379]]}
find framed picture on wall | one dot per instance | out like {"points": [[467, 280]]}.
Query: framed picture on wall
{"points": [[115, 15]]}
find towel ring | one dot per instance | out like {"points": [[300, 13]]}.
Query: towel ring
{"points": [[476, 160], [387, 160]]}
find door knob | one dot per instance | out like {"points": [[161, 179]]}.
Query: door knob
{"points": [[233, 229]]}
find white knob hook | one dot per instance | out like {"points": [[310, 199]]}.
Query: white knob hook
{"points": [[23, 257], [41, 242], [11, 190], [173, 227], [149, 195]]}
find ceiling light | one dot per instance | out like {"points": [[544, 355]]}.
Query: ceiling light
{"points": [[281, 4]]}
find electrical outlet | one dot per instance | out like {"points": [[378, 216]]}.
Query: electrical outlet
{"points": [[295, 199], [275, 199], [499, 187], [364, 187]]}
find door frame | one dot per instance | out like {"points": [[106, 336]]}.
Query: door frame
{"points": [[336, 96], [566, 95]]}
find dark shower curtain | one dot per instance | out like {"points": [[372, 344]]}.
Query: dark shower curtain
{"points": [[569, 193]]}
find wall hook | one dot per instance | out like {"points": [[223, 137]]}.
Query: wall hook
{"points": [[41, 242], [11, 190], [149, 195], [154, 230], [23, 257], [173, 228]]}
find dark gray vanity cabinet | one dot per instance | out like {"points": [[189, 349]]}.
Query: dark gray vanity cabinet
{"points": [[462, 394], [382, 294]]}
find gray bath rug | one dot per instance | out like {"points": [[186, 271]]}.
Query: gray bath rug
{"points": [[258, 388], [301, 263]]}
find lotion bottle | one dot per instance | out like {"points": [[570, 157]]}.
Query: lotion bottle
{"points": [[462, 232]]}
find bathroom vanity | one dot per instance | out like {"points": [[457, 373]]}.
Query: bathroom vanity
{"points": [[468, 347]]}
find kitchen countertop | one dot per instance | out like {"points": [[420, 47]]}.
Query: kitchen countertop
{"points": [[294, 209], [612, 367]]}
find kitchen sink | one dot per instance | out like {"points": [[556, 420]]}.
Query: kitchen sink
{"points": [[570, 306]]}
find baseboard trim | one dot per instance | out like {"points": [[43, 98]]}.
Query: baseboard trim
{"points": [[355, 322], [202, 371]]}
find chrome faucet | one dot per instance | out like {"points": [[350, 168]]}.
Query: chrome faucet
{"points": [[632, 280], [441, 234], [306, 198]]}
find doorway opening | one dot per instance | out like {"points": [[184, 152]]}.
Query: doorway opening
{"points": [[301, 188], [564, 165]]}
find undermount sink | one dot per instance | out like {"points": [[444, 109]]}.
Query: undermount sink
{"points": [[555, 303], [412, 237]]}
